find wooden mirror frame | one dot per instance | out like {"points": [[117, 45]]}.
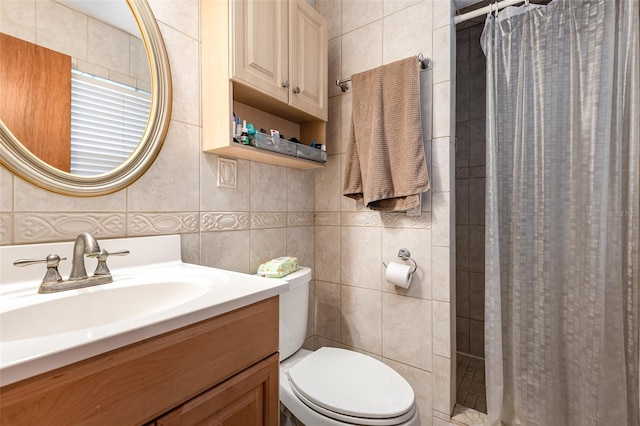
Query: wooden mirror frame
{"points": [[18, 159]]}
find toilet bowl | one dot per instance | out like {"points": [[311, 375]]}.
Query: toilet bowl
{"points": [[333, 386]]}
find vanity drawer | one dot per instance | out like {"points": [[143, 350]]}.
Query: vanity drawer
{"points": [[137, 383]]}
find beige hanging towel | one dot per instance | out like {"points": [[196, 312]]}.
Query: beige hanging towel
{"points": [[385, 164]]}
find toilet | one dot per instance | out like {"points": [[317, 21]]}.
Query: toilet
{"points": [[334, 386]]}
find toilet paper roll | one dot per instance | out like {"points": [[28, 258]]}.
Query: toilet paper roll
{"points": [[398, 274]]}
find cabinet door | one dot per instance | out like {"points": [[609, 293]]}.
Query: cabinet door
{"points": [[308, 59], [249, 398], [259, 46]]}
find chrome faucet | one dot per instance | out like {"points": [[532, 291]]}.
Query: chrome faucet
{"points": [[85, 245]]}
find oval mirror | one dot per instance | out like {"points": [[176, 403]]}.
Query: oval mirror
{"points": [[78, 116]]}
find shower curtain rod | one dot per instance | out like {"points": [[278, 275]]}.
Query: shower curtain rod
{"points": [[484, 10]]}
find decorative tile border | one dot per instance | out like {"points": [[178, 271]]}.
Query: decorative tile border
{"points": [[264, 220], [162, 223], [223, 221], [327, 218], [401, 220], [6, 226], [40, 227], [300, 219], [365, 218], [478, 172], [462, 173]]}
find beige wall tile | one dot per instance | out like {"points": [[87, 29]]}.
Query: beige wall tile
{"points": [[226, 250], [6, 190], [6, 228], [357, 13], [444, 396], [440, 219], [442, 328], [418, 242], [183, 54], [442, 61], [361, 264], [266, 244], [408, 33], [27, 197], [327, 253], [422, 383], [107, 46], [392, 6], [159, 189], [406, 330], [361, 325], [442, 13], [62, 29], [213, 198], [441, 152], [332, 12], [190, 248], [327, 309], [311, 316], [267, 183], [321, 343], [300, 190], [328, 190], [441, 273], [442, 116], [301, 243], [362, 48], [334, 126], [18, 19], [184, 18], [335, 67]]}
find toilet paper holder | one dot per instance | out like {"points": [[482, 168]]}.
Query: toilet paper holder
{"points": [[405, 254]]}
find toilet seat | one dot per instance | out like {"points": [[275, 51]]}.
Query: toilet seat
{"points": [[353, 388]]}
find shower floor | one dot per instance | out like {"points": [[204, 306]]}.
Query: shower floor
{"points": [[470, 383]]}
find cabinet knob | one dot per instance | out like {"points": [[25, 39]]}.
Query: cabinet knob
{"points": [[296, 89], [285, 83]]}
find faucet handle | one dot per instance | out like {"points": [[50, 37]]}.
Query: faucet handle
{"points": [[52, 261], [102, 256]]}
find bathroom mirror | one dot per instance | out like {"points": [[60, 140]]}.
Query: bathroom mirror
{"points": [[20, 160]]}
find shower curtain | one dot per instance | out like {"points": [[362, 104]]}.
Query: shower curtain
{"points": [[561, 337]]}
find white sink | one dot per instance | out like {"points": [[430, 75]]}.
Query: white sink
{"points": [[96, 306], [153, 292]]}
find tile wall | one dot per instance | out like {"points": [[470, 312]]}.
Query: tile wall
{"points": [[410, 330], [95, 47], [470, 191], [275, 210]]}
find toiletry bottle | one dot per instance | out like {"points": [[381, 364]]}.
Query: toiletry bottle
{"points": [[244, 138], [239, 131], [233, 126]]}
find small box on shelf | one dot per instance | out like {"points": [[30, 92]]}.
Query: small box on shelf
{"points": [[271, 143], [311, 153]]}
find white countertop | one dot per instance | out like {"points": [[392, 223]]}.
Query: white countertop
{"points": [[151, 258]]}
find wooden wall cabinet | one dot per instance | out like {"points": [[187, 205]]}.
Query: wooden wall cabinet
{"points": [[265, 60], [223, 369]]}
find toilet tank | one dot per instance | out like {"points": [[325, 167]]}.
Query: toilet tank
{"points": [[294, 307]]}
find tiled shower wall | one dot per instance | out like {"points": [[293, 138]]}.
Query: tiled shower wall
{"points": [[470, 191], [410, 330]]}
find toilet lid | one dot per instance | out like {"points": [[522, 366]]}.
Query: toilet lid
{"points": [[347, 383]]}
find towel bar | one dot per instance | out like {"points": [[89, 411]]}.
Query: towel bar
{"points": [[425, 64]]}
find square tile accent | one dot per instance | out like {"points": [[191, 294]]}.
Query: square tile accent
{"points": [[227, 173]]}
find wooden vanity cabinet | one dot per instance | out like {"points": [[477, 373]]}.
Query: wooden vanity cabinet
{"points": [[223, 370]]}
